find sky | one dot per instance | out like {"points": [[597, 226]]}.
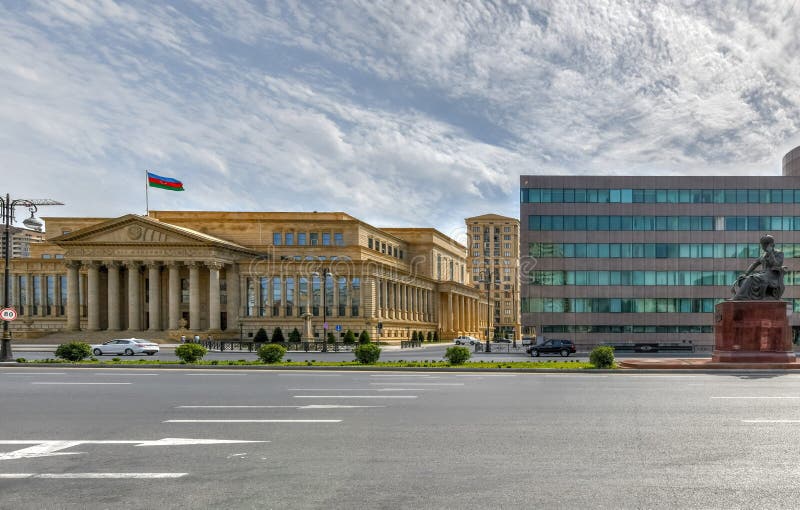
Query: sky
{"points": [[399, 112]]}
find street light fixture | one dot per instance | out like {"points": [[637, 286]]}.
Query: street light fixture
{"points": [[486, 276], [7, 207], [324, 272]]}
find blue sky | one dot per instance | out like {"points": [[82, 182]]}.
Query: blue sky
{"points": [[402, 113]]}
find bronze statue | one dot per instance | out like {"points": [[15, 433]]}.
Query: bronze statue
{"points": [[765, 284]]}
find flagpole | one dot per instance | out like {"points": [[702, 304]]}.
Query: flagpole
{"points": [[146, 193]]}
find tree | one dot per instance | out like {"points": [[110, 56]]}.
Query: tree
{"points": [[349, 337], [436, 336], [430, 336], [363, 338], [261, 336], [420, 336], [413, 336], [294, 336], [277, 336], [331, 338]]}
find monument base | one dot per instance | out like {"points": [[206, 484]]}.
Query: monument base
{"points": [[752, 332]]}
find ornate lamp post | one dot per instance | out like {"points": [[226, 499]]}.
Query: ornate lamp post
{"points": [[7, 207], [323, 274], [486, 277]]}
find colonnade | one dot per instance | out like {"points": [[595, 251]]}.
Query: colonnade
{"points": [[402, 301], [132, 274], [461, 313]]}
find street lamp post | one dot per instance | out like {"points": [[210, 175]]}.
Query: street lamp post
{"points": [[323, 273], [487, 278], [7, 212]]}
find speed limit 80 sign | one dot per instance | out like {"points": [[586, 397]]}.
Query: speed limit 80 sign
{"points": [[8, 314]]}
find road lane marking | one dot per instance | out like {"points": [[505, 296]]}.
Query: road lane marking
{"points": [[487, 375], [218, 373], [770, 421], [36, 373], [80, 383], [251, 421], [307, 374], [84, 476], [312, 406], [416, 384], [762, 397], [360, 389], [405, 375], [114, 374], [355, 396], [49, 448]]}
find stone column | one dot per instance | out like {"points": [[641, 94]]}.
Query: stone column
{"points": [[56, 294], [113, 296], [93, 295], [449, 311], [174, 295], [194, 295], [29, 295], [154, 296], [213, 295], [234, 294], [134, 295], [73, 298]]}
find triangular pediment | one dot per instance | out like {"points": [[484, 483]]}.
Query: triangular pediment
{"points": [[141, 230]]}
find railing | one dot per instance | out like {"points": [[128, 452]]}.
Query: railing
{"points": [[227, 345], [250, 346], [409, 344], [501, 347]]}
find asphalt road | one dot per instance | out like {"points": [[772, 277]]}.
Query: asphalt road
{"points": [[395, 440]]}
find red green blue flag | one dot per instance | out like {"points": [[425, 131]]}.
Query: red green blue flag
{"points": [[156, 181]]}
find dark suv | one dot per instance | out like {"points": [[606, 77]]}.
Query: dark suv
{"points": [[553, 346]]}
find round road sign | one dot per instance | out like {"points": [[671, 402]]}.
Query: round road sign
{"points": [[8, 314]]}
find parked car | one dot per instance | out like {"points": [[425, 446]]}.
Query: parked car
{"points": [[553, 346], [528, 340], [126, 346], [501, 340], [466, 340]]}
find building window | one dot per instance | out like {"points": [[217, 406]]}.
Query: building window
{"points": [[301, 238], [289, 296], [184, 290], [476, 229], [338, 239], [506, 229], [342, 289], [316, 297], [383, 247], [276, 238], [395, 251], [401, 254], [356, 296], [326, 239], [302, 296], [289, 238], [369, 243], [277, 296], [264, 296], [314, 238]]}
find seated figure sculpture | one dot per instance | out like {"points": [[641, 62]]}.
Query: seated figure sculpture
{"points": [[767, 282]]}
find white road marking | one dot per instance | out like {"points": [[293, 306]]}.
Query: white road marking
{"points": [[360, 389], [355, 396], [306, 374], [251, 421], [762, 398], [416, 384], [313, 406], [114, 374], [83, 476], [489, 375], [217, 373], [405, 375], [770, 421], [35, 373], [49, 448], [81, 383]]}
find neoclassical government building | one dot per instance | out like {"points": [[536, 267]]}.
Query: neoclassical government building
{"points": [[228, 274]]}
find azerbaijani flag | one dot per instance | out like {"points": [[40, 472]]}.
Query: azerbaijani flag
{"points": [[156, 181]]}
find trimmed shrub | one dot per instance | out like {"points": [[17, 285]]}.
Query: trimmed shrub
{"points": [[457, 355], [366, 354], [331, 338], [271, 353], [294, 336], [190, 353], [261, 336], [602, 357], [430, 336], [413, 336], [349, 337], [436, 336], [21, 360], [277, 336], [363, 338], [74, 351]]}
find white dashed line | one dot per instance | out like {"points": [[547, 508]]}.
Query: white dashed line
{"points": [[84, 476], [252, 421], [81, 383], [355, 396], [760, 398], [770, 421], [313, 406], [415, 384]]}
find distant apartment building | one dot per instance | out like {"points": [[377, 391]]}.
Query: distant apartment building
{"points": [[21, 241], [493, 263], [645, 259]]}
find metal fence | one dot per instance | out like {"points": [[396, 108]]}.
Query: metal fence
{"points": [[501, 347], [409, 344], [250, 346]]}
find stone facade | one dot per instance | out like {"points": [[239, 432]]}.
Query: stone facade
{"points": [[228, 274]]}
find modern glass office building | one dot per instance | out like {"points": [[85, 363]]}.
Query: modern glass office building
{"points": [[624, 259]]}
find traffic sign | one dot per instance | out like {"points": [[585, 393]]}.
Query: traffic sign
{"points": [[338, 327], [8, 314]]}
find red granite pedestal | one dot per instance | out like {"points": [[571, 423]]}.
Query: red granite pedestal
{"points": [[752, 332]]}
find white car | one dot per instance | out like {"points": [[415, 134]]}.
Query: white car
{"points": [[126, 346], [466, 340]]}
